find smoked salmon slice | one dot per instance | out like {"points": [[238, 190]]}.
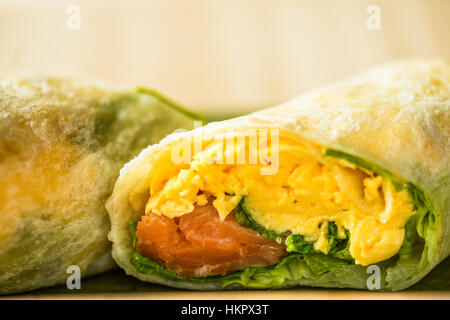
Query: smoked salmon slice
{"points": [[199, 244]]}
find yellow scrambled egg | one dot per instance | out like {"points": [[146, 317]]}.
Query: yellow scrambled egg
{"points": [[306, 192]]}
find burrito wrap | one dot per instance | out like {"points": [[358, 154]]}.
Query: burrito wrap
{"points": [[395, 117], [62, 144]]}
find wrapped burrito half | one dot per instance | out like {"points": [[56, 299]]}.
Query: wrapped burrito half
{"points": [[62, 144], [346, 186]]}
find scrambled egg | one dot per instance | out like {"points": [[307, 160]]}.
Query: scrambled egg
{"points": [[305, 193]]}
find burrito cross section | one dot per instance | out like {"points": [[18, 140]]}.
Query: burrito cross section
{"points": [[199, 237], [323, 190]]}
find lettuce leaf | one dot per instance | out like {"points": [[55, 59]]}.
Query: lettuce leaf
{"points": [[339, 247], [321, 263], [297, 243]]}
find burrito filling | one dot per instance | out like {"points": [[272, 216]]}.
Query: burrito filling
{"points": [[209, 217]]}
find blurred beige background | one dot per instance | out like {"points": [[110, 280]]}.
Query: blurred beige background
{"points": [[218, 57]]}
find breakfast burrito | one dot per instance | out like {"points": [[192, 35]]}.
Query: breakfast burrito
{"points": [[62, 144], [345, 186]]}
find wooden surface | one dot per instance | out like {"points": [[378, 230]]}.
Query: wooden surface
{"points": [[218, 56], [256, 295]]}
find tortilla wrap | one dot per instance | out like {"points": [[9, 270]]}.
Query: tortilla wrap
{"points": [[393, 120], [62, 144]]}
